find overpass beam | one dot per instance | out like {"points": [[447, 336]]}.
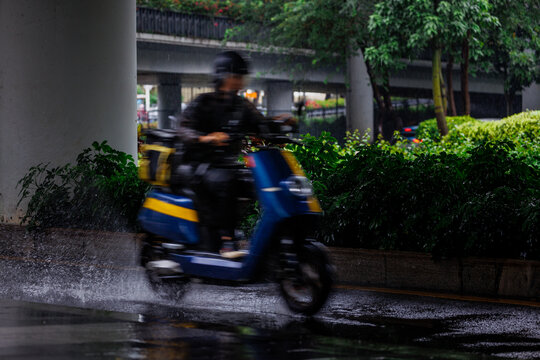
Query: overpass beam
{"points": [[169, 99], [359, 96], [67, 78], [279, 97], [531, 97]]}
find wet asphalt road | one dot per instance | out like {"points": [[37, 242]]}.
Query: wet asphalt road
{"points": [[66, 311]]}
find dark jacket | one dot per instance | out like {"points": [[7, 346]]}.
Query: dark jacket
{"points": [[218, 112]]}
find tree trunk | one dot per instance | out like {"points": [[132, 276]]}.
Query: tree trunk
{"points": [[393, 121], [450, 86], [509, 97], [437, 96], [465, 76], [387, 123], [443, 92], [378, 99]]}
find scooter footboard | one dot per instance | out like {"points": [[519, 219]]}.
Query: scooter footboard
{"points": [[212, 267]]}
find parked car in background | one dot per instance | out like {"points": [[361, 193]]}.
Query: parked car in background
{"points": [[409, 133]]}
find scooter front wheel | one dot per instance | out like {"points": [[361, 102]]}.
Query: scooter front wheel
{"points": [[307, 290]]}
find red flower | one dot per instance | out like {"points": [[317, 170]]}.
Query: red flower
{"points": [[215, 24]]}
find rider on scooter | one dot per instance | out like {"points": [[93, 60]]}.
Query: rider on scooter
{"points": [[212, 128]]}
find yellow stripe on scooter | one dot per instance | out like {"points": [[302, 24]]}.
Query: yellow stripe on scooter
{"points": [[171, 210], [312, 202], [293, 163]]}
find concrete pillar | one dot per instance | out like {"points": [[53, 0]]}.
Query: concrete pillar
{"points": [[169, 99], [359, 96], [67, 78], [531, 97], [147, 89], [279, 97]]}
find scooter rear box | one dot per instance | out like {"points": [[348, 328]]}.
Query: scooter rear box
{"points": [[170, 216]]}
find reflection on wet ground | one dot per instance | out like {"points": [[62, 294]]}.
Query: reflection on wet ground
{"points": [[30, 330], [123, 318]]}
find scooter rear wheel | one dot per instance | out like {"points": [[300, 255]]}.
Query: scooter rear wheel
{"points": [[168, 286], [307, 291]]}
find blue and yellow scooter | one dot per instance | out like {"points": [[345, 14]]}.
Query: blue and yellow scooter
{"points": [[281, 244]]}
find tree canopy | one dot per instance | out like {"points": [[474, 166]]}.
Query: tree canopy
{"points": [[516, 46], [332, 29], [406, 28], [500, 36]]}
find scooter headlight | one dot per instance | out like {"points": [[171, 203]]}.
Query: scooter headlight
{"points": [[299, 186]]}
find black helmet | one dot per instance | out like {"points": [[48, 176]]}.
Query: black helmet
{"points": [[229, 62]]}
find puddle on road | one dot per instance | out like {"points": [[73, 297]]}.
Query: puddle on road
{"points": [[30, 330], [245, 322]]}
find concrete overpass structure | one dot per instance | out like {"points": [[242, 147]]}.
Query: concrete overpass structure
{"points": [[173, 62], [69, 69], [176, 50]]}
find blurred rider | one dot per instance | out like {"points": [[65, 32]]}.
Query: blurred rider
{"points": [[212, 127]]}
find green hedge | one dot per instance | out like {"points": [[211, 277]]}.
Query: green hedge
{"points": [[326, 104], [519, 127], [464, 197], [428, 129], [480, 200], [522, 130], [525, 125]]}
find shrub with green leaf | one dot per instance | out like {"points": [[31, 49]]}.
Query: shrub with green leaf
{"points": [[472, 194], [520, 127], [480, 198], [101, 191], [428, 129]]}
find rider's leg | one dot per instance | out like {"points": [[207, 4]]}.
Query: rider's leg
{"points": [[220, 185]]}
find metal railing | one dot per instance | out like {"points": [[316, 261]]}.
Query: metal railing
{"points": [[326, 112], [155, 21]]}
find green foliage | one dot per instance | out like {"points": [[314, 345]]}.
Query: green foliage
{"points": [[428, 129], [475, 198], [522, 130], [324, 104], [302, 23], [408, 26], [520, 127], [101, 191], [466, 133], [405, 28], [516, 43], [318, 120], [333, 29]]}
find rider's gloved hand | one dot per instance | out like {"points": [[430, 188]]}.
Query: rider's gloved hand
{"points": [[215, 138]]}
